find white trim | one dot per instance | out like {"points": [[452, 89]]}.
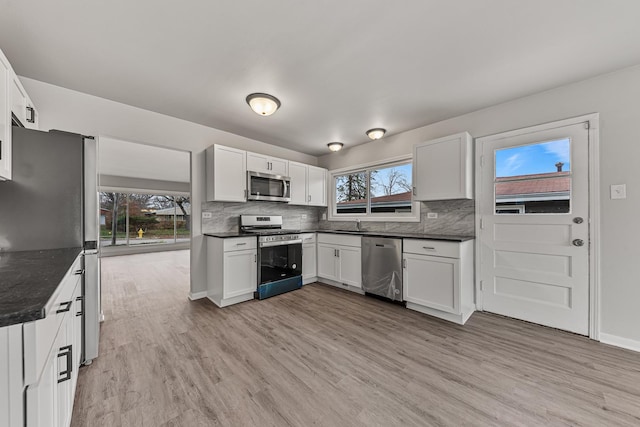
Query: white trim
{"points": [[620, 341], [594, 207], [197, 295], [331, 208]]}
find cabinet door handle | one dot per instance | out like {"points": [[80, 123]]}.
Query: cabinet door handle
{"points": [[255, 257], [414, 191], [81, 312], [78, 272], [241, 244], [31, 116], [429, 248], [67, 307], [66, 351], [338, 252]]}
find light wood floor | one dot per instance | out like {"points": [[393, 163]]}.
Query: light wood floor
{"points": [[327, 357]]}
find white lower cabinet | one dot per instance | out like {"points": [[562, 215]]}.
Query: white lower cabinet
{"points": [[52, 349], [309, 267], [339, 259], [232, 269], [438, 278]]}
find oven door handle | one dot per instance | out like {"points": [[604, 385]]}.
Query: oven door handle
{"points": [[284, 188], [281, 243]]}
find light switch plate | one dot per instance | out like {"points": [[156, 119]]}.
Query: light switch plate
{"points": [[206, 215], [618, 191], [432, 215]]}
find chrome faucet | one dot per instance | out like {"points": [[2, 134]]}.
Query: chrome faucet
{"points": [[358, 224]]}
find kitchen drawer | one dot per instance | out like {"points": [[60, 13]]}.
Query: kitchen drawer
{"points": [[431, 247], [240, 243], [308, 238], [40, 335], [340, 239]]}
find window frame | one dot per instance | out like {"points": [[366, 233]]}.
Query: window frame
{"points": [[414, 216]]}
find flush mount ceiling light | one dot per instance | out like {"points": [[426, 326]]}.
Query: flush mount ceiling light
{"points": [[263, 103], [376, 133], [335, 146]]}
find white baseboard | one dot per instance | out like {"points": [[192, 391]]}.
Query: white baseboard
{"points": [[620, 342], [197, 295]]}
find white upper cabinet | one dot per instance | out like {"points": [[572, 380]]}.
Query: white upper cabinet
{"points": [[267, 164], [317, 186], [5, 119], [226, 174], [298, 175], [308, 184], [443, 168]]}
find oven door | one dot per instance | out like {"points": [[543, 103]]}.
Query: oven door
{"points": [[279, 261], [263, 186]]}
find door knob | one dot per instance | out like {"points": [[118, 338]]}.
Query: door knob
{"points": [[578, 242], [578, 220]]}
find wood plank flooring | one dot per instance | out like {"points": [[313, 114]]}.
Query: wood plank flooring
{"points": [[327, 357]]}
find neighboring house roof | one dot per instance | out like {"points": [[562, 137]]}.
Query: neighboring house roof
{"points": [[173, 211], [543, 186]]}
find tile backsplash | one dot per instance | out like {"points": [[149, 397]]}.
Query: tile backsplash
{"points": [[225, 215], [455, 217]]}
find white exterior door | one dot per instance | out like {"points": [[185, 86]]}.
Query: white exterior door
{"points": [[533, 211]]}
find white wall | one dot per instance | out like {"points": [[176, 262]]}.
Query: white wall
{"points": [[616, 97], [72, 111]]}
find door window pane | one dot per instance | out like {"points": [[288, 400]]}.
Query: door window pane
{"points": [[391, 189], [533, 178], [351, 193]]}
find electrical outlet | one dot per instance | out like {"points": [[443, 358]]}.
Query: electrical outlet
{"points": [[432, 215], [303, 216], [619, 191], [324, 216], [206, 215]]}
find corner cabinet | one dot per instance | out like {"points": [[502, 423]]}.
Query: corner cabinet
{"points": [[232, 269], [438, 278], [443, 168], [339, 259], [226, 172]]}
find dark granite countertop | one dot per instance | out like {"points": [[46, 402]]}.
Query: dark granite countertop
{"points": [[395, 234], [228, 234], [400, 235], [28, 279]]}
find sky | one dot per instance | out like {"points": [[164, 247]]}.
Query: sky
{"points": [[383, 176], [534, 158]]}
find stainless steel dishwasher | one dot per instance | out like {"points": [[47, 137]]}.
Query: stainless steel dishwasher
{"points": [[382, 267]]}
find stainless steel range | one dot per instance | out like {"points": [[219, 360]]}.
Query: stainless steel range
{"points": [[279, 254]]}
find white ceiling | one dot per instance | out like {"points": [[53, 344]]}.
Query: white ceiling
{"points": [[339, 67]]}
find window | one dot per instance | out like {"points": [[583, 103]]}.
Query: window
{"points": [[534, 178], [379, 192], [143, 219]]}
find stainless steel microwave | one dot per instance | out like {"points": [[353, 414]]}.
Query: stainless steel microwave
{"points": [[264, 186]]}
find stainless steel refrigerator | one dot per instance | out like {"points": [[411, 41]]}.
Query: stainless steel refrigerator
{"points": [[52, 202]]}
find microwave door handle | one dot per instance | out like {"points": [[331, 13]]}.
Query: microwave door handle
{"points": [[284, 188]]}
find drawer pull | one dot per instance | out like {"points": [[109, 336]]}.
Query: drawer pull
{"points": [[81, 312], [66, 351], [78, 272], [429, 248], [64, 307], [241, 244]]}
